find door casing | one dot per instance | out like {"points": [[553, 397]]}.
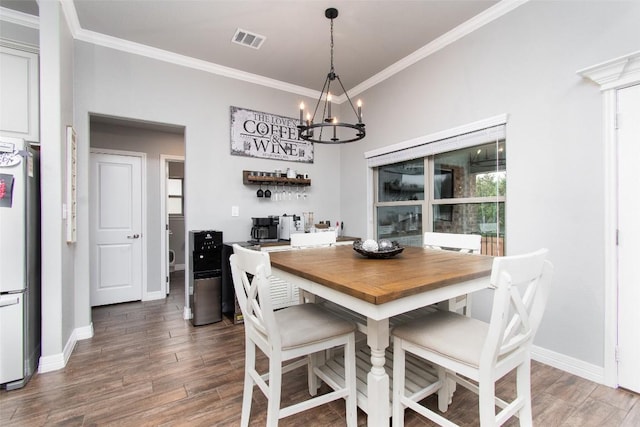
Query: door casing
{"points": [[611, 75], [164, 216]]}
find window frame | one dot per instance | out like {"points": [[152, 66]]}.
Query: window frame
{"points": [[427, 147], [179, 196]]}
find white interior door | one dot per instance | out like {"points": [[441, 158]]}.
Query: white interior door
{"points": [[628, 134], [116, 246]]}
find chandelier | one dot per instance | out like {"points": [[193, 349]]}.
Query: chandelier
{"points": [[324, 131]]}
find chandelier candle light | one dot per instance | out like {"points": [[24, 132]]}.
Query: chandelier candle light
{"points": [[355, 132]]}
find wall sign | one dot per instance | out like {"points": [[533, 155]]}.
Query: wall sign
{"points": [[269, 136]]}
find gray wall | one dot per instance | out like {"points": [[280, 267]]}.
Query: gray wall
{"points": [[19, 33], [117, 84], [153, 143], [523, 64], [61, 314]]}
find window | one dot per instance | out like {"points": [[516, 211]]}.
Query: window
{"points": [[457, 185], [175, 205]]}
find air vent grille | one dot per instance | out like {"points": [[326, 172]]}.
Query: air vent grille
{"points": [[247, 38]]}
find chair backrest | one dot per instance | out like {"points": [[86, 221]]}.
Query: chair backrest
{"points": [[463, 242], [309, 240], [516, 316], [250, 271]]}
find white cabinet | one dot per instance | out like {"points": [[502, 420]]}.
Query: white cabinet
{"points": [[19, 94]]}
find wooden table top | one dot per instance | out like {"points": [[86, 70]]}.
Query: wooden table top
{"points": [[378, 281]]}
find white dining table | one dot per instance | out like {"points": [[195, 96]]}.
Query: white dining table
{"points": [[378, 290]]}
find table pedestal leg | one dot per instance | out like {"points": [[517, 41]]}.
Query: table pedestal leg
{"points": [[377, 378]]}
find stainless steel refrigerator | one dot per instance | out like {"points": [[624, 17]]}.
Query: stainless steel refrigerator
{"points": [[19, 262]]}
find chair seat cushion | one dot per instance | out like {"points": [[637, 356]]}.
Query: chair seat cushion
{"points": [[308, 323], [447, 333]]}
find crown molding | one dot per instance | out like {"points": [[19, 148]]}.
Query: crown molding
{"points": [[187, 61], [618, 72], [174, 58], [496, 11], [499, 9], [70, 14], [19, 18]]}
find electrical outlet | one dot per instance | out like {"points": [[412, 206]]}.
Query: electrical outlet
{"points": [[235, 211]]}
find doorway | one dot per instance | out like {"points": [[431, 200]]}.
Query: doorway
{"points": [[172, 213], [154, 140], [628, 135], [613, 77]]}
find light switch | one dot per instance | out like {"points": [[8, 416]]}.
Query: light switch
{"points": [[235, 210]]}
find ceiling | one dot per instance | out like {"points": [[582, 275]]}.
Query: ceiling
{"points": [[369, 36]]}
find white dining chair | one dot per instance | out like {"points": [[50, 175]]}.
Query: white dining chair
{"points": [[464, 349], [466, 243], [283, 335]]}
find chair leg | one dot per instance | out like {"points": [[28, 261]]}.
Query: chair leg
{"points": [[350, 381], [467, 306], [249, 366], [312, 379], [487, 401], [523, 387], [275, 386], [444, 393], [397, 410]]}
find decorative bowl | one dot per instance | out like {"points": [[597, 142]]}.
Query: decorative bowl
{"points": [[394, 250]]}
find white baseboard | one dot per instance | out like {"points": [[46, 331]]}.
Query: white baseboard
{"points": [[186, 314], [560, 361], [59, 361], [568, 364], [84, 332], [179, 267], [51, 363]]}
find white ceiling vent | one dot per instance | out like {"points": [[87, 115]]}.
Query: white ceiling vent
{"points": [[247, 38]]}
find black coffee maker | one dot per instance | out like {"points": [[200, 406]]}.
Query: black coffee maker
{"points": [[265, 229]]}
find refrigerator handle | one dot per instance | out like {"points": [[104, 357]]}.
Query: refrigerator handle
{"points": [[10, 300]]}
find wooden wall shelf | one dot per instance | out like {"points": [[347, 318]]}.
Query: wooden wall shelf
{"points": [[266, 178]]}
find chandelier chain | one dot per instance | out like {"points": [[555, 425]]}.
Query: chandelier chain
{"points": [[332, 45]]}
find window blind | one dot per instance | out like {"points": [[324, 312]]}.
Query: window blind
{"points": [[466, 136]]}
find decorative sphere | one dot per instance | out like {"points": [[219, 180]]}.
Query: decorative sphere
{"points": [[385, 244], [370, 245]]}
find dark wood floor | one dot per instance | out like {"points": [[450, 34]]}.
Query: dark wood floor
{"points": [[146, 366]]}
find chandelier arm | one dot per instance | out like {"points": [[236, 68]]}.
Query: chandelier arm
{"points": [[348, 99], [326, 86]]}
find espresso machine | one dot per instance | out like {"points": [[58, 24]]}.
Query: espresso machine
{"points": [[290, 224], [265, 229]]}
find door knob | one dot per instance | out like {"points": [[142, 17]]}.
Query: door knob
{"points": [[135, 236]]}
